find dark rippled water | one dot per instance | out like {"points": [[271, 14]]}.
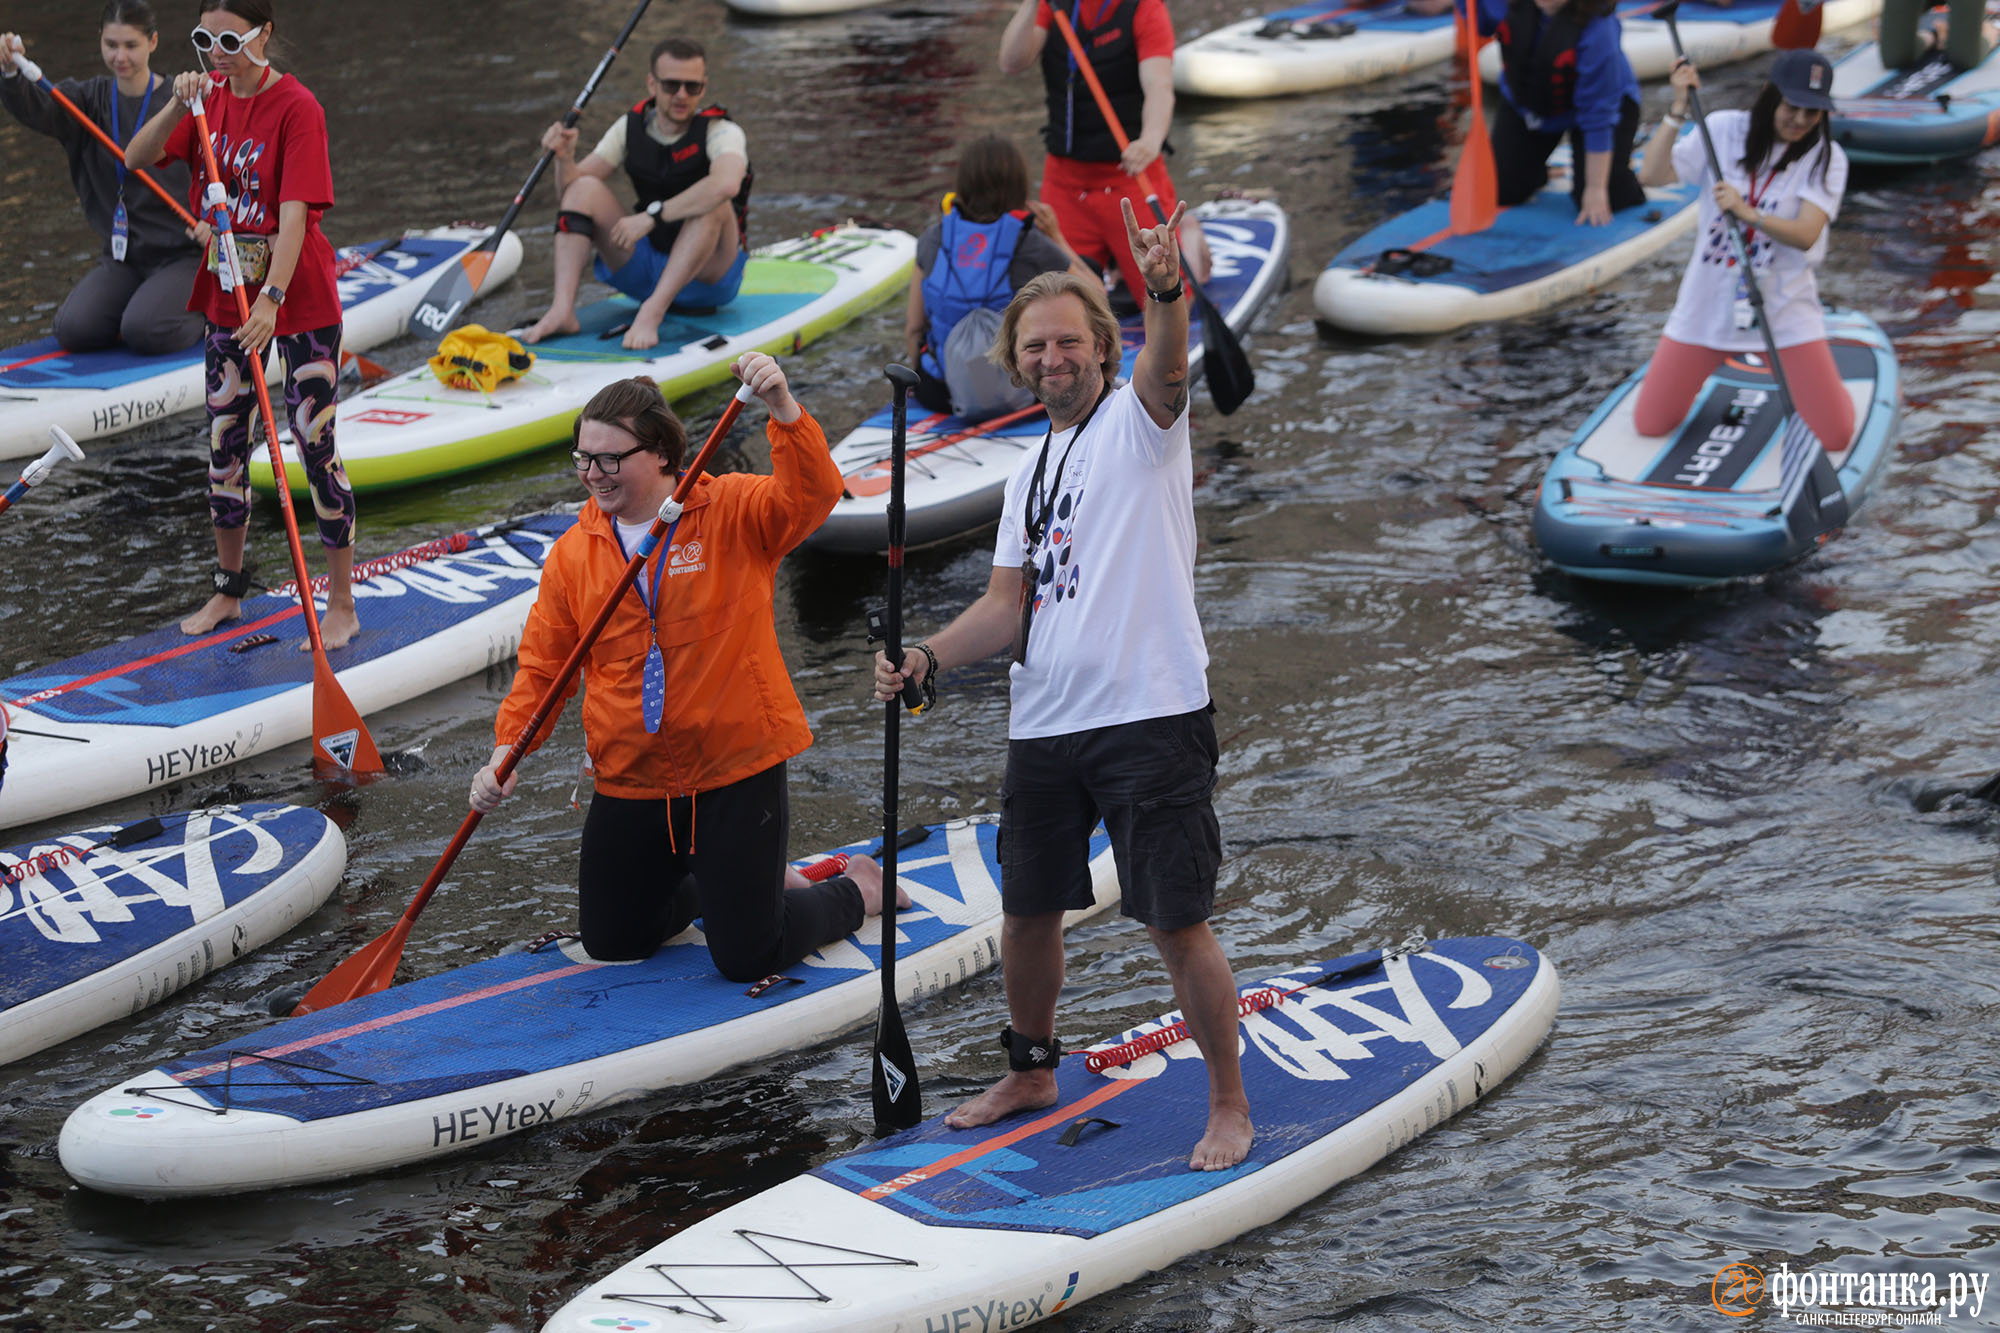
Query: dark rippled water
{"points": [[1728, 817]]}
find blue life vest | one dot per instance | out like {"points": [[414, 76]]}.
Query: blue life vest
{"points": [[970, 273]]}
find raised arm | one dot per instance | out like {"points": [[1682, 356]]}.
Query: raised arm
{"points": [[1159, 376], [1021, 44]]}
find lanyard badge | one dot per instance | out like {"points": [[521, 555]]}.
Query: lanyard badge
{"points": [[121, 225], [653, 679]]}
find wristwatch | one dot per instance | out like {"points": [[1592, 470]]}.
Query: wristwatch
{"points": [[275, 293], [653, 210]]}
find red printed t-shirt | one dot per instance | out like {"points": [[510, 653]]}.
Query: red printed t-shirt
{"points": [[271, 150]]}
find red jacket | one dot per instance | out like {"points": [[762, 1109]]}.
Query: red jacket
{"points": [[730, 709]]}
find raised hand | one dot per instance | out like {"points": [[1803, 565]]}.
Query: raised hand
{"points": [[1155, 250]]}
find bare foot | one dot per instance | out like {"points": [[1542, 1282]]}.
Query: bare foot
{"points": [[1226, 1141], [219, 611], [337, 628], [549, 325], [1022, 1090], [867, 877], [643, 334]]}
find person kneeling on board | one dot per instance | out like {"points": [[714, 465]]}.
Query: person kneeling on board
{"points": [[1111, 717], [1909, 37], [1563, 73], [691, 813], [684, 242], [970, 263], [138, 292], [1783, 176]]}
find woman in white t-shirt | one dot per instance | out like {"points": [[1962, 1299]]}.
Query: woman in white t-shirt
{"points": [[1782, 179]]}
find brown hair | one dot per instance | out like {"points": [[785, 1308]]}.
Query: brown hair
{"points": [[132, 14], [635, 407], [1097, 313], [680, 48], [992, 178]]}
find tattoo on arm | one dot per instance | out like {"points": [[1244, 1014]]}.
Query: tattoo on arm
{"points": [[1175, 400]]}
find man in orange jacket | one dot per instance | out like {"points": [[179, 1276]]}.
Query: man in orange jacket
{"points": [[691, 813]]}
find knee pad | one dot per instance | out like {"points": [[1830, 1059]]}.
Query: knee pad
{"points": [[572, 223]]}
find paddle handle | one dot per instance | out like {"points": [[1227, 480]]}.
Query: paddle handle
{"points": [[37, 472], [570, 117], [33, 73]]}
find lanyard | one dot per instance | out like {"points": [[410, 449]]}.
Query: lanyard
{"points": [[1036, 525], [1754, 196], [653, 676], [117, 134]]}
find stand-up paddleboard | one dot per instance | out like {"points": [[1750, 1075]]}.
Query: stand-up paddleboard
{"points": [[1712, 34], [103, 922], [1411, 275], [958, 470], [1006, 1225], [94, 394], [1925, 114], [162, 707], [791, 9], [1304, 48], [431, 1066], [1707, 503], [412, 428]]}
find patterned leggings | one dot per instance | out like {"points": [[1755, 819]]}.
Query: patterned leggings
{"points": [[312, 364]]}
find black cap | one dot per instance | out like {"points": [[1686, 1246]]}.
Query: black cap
{"points": [[1804, 78]]}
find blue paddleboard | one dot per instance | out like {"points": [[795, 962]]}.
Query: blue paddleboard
{"points": [[1926, 114]]}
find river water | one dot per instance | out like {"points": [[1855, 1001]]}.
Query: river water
{"points": [[1728, 817]]}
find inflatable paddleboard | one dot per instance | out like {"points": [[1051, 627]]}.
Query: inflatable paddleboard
{"points": [[958, 470], [162, 707], [1712, 34], [1708, 503], [103, 922], [499, 1046], [1925, 114], [1411, 275], [94, 394], [412, 428], [1007, 1225], [1304, 48]]}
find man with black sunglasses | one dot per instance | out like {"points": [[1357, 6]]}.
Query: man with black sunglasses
{"points": [[1093, 585], [683, 241]]}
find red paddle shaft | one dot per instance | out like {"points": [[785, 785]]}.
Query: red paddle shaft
{"points": [[33, 73]]}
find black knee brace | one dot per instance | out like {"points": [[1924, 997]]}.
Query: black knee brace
{"points": [[575, 223], [1025, 1053]]}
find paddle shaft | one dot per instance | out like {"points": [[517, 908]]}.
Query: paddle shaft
{"points": [[1750, 287], [662, 527], [33, 73], [898, 1106]]}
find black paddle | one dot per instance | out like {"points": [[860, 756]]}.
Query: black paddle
{"points": [[1223, 363], [898, 1099], [459, 283], [1830, 501]]}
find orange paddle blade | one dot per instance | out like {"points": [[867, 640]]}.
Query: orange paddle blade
{"points": [[476, 263], [1475, 186], [370, 970], [1797, 27], [342, 747]]}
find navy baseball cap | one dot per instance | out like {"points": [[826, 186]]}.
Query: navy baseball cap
{"points": [[1804, 78]]}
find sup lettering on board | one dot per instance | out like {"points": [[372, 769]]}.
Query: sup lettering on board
{"points": [[455, 1128], [123, 416]]}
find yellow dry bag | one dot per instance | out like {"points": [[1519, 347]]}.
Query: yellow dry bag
{"points": [[473, 357]]}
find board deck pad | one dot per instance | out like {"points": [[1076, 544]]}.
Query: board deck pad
{"points": [[164, 678], [1723, 410], [1308, 1066], [75, 918], [519, 1012]]}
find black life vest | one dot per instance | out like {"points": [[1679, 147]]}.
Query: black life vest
{"points": [[1538, 53], [1076, 128], [661, 171]]}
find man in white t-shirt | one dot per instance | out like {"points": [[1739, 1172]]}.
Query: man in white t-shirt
{"points": [[682, 243], [1093, 584]]}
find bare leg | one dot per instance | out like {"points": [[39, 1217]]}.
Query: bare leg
{"points": [[1207, 994], [229, 543], [867, 877], [573, 250], [1031, 959], [339, 624], [1194, 249], [704, 249]]}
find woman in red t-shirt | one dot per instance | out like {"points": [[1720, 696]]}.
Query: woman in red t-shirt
{"points": [[269, 136]]}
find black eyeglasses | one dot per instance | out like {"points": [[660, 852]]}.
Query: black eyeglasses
{"points": [[693, 87], [229, 43], [608, 464]]}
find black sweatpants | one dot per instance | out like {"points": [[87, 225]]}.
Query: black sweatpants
{"points": [[1521, 155], [650, 867]]}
